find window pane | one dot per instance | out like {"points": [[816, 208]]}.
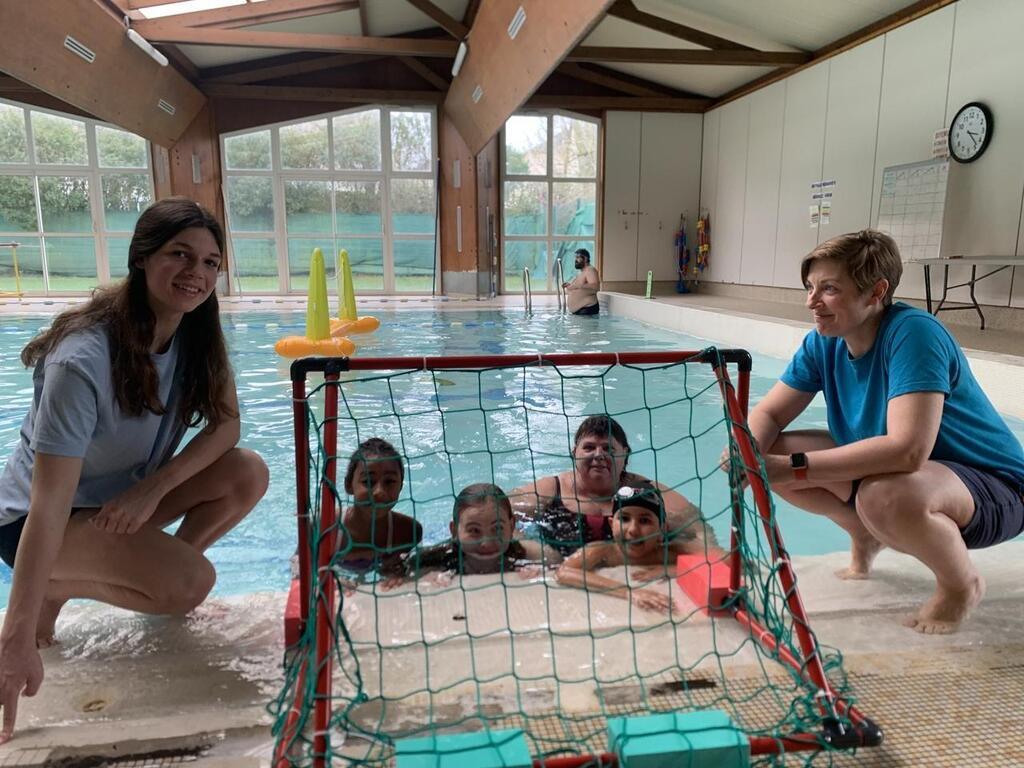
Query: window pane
{"points": [[307, 206], [357, 207], [30, 266], [575, 148], [117, 256], [17, 205], [412, 205], [366, 257], [65, 204], [565, 251], [250, 204], [125, 196], [300, 253], [530, 254], [357, 141], [414, 265], [255, 265], [120, 149], [526, 207], [526, 145], [250, 151], [71, 263], [574, 206], [304, 145], [411, 141], [59, 140], [13, 144]]}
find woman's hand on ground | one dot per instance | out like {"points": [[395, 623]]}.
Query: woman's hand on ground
{"points": [[389, 583], [647, 573], [527, 572], [129, 511], [21, 673], [650, 600]]}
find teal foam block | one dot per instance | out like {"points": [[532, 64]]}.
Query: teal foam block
{"points": [[481, 749], [685, 739]]}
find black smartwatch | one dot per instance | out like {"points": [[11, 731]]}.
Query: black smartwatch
{"points": [[798, 461]]}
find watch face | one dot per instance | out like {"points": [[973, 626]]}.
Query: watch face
{"points": [[970, 132]]}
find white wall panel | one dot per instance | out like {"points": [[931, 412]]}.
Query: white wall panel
{"points": [[913, 106], [669, 187], [709, 167], [802, 145], [764, 167], [727, 215], [851, 128], [621, 190], [1017, 288], [985, 196]]}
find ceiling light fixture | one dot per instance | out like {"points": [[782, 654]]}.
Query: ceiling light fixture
{"points": [[144, 44], [460, 56]]}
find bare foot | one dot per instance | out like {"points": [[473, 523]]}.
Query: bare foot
{"points": [[945, 610], [46, 627], [862, 554]]}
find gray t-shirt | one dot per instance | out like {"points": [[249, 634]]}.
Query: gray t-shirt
{"points": [[74, 413]]}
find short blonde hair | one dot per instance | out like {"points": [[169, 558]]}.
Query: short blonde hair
{"points": [[867, 256]]}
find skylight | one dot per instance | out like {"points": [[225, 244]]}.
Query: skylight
{"points": [[186, 6]]}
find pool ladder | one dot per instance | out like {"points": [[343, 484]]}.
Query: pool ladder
{"points": [[527, 293], [563, 300]]}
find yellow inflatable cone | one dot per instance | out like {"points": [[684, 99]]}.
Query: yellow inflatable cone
{"points": [[346, 291], [318, 314]]}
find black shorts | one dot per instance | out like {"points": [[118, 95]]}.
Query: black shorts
{"points": [[10, 535], [998, 507], [593, 309]]}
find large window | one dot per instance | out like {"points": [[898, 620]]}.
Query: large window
{"points": [[361, 180], [71, 191], [549, 196]]}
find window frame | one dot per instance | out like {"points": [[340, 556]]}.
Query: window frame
{"points": [[279, 175], [550, 238]]}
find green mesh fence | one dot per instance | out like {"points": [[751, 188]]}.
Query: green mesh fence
{"points": [[377, 663]]}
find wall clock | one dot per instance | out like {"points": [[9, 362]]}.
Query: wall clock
{"points": [[970, 132]]}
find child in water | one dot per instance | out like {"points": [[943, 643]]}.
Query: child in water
{"points": [[639, 538], [375, 535], [483, 539]]}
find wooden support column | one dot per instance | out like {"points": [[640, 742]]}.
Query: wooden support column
{"points": [[459, 233]]}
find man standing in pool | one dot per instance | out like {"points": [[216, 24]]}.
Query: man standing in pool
{"points": [[581, 291], [915, 458]]}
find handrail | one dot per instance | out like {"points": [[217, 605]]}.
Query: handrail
{"points": [[560, 288], [17, 273], [527, 291]]}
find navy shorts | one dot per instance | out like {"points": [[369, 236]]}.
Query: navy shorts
{"points": [[10, 535], [998, 507], [593, 309]]}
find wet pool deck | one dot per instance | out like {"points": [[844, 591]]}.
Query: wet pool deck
{"points": [[120, 687]]}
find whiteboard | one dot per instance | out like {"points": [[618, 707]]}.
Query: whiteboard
{"points": [[912, 205]]}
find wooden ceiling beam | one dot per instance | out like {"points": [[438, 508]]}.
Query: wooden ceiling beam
{"points": [[263, 70], [170, 32], [181, 62], [453, 27], [721, 57], [364, 24], [472, 7], [579, 72], [647, 103], [903, 16], [624, 9], [501, 72], [137, 4], [336, 95], [425, 72], [235, 16]]}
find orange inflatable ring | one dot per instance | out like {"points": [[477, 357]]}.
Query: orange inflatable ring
{"points": [[365, 324], [300, 346]]}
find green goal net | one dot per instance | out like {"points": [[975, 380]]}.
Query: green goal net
{"points": [[403, 644]]}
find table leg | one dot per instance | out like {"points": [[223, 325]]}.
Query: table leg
{"points": [[977, 308], [928, 287]]}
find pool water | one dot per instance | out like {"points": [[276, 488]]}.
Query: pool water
{"points": [[457, 428]]}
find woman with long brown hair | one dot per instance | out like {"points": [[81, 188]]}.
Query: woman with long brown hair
{"points": [[94, 481]]}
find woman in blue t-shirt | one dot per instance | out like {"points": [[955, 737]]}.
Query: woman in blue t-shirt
{"points": [[915, 456], [94, 481]]}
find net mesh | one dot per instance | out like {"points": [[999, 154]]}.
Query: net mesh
{"points": [[444, 653]]}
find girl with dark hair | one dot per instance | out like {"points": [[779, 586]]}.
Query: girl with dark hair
{"points": [[375, 536], [94, 481]]}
